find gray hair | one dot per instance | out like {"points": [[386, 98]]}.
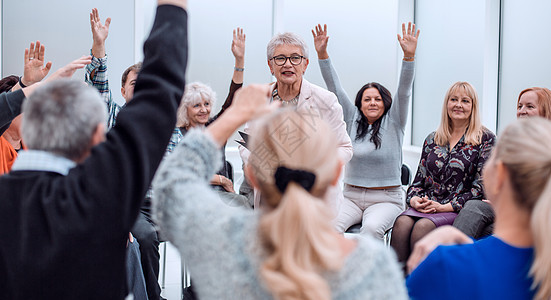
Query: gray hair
{"points": [[194, 93], [61, 117], [287, 38]]}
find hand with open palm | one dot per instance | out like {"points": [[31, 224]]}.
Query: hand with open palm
{"points": [[408, 40]]}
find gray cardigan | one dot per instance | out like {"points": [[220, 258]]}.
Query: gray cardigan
{"points": [[220, 245], [370, 167]]}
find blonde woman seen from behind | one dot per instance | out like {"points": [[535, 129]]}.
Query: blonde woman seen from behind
{"points": [[513, 263], [286, 250]]}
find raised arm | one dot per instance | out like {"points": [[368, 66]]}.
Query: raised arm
{"points": [[34, 69], [408, 43], [99, 33], [238, 51], [10, 103], [330, 74], [96, 72]]}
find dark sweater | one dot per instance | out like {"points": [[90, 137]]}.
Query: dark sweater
{"points": [[10, 107], [64, 237]]}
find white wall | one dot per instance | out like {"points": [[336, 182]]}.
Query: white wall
{"points": [[63, 26], [457, 43], [525, 59]]}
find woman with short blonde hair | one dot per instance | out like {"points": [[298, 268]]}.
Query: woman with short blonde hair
{"points": [[449, 171]]}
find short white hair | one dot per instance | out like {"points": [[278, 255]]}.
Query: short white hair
{"points": [[287, 38], [194, 93]]}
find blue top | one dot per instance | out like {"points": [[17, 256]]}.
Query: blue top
{"points": [[487, 269]]}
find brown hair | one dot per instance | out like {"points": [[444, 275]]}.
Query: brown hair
{"points": [[8, 82], [135, 67]]}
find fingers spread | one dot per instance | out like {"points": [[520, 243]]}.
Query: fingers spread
{"points": [[41, 52], [47, 67], [31, 51]]}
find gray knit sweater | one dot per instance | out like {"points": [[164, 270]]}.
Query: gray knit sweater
{"points": [[370, 167], [220, 245]]}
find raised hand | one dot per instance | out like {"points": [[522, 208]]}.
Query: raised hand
{"points": [[250, 102], [238, 44], [320, 41], [70, 69], [408, 40], [99, 33], [34, 69]]}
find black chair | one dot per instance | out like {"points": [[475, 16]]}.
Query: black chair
{"points": [[229, 168], [406, 180]]}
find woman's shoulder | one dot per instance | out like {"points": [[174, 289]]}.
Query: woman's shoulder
{"points": [[371, 270], [487, 134], [429, 139]]}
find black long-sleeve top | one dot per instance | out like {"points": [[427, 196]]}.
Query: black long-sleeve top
{"points": [[64, 237], [10, 107]]}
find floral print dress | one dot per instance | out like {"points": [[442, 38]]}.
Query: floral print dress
{"points": [[451, 175]]}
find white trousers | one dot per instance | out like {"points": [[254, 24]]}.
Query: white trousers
{"points": [[375, 209]]}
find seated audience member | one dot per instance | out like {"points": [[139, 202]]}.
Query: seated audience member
{"points": [[449, 170], [287, 55], [294, 253], [514, 262], [71, 199], [195, 110], [10, 141], [476, 219], [373, 194], [144, 230]]}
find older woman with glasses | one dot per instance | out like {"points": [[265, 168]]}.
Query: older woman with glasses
{"points": [[287, 56]]}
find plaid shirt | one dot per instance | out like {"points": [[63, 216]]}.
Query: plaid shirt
{"points": [[101, 83]]}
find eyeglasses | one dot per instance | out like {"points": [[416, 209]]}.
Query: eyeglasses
{"points": [[280, 60]]}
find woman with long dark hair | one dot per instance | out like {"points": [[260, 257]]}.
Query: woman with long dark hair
{"points": [[376, 125]]}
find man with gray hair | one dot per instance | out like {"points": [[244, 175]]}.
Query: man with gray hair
{"points": [[70, 200]]}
